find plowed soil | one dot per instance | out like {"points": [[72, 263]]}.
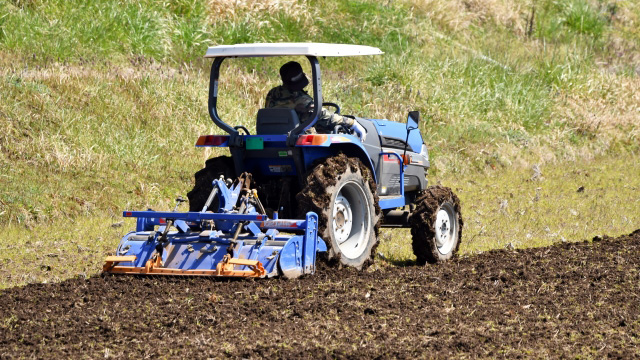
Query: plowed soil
{"points": [[565, 301]]}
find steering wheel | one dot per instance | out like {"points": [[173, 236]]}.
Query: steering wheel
{"points": [[334, 105], [240, 127], [341, 129]]}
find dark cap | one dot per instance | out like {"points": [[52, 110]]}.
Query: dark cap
{"points": [[293, 76]]}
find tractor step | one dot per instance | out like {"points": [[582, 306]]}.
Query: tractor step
{"points": [[115, 259], [111, 261], [226, 267]]}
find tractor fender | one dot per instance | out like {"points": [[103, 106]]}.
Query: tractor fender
{"points": [[333, 144], [357, 151]]}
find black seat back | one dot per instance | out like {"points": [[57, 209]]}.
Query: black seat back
{"points": [[274, 121]]}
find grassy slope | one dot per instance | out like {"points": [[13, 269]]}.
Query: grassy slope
{"points": [[102, 101]]}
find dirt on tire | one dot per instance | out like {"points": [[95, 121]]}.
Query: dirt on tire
{"points": [[214, 167], [423, 219], [315, 197], [565, 301]]}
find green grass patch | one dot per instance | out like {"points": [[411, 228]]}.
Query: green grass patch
{"points": [[103, 101], [569, 201], [59, 250], [500, 209], [559, 20]]}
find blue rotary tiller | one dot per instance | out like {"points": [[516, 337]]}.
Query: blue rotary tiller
{"points": [[237, 240]]}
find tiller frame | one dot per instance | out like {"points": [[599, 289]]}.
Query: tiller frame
{"points": [[239, 240]]}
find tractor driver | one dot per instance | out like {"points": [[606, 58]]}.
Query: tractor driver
{"points": [[290, 95]]}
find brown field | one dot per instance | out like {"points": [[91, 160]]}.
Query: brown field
{"points": [[564, 301]]}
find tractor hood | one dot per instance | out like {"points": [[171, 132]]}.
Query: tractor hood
{"points": [[394, 134]]}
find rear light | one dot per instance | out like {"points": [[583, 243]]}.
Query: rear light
{"points": [[212, 140], [311, 140]]}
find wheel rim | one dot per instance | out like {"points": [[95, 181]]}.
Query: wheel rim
{"points": [[446, 227], [351, 220]]}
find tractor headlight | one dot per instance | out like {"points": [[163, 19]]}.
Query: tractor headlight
{"points": [[424, 152]]}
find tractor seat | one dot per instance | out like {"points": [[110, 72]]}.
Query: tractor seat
{"points": [[276, 121]]}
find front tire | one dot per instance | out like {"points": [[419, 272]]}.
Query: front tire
{"points": [[342, 192], [436, 225]]}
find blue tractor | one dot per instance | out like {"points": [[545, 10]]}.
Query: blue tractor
{"points": [[338, 189]]}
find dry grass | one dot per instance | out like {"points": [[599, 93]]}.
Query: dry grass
{"points": [[69, 249], [94, 120], [521, 208], [624, 38], [501, 208], [458, 15], [221, 11], [611, 108], [89, 134]]}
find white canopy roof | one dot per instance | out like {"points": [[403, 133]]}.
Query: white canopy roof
{"points": [[290, 49]]}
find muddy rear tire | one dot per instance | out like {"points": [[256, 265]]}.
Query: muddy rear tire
{"points": [[214, 167], [436, 225], [342, 192]]}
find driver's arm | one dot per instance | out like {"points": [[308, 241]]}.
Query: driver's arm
{"points": [[327, 120]]}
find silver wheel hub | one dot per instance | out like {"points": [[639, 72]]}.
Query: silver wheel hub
{"points": [[351, 220], [446, 227], [342, 219]]}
